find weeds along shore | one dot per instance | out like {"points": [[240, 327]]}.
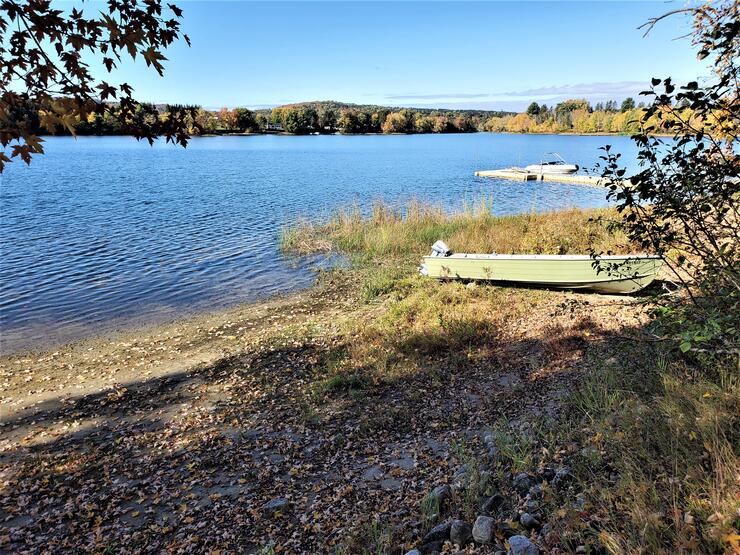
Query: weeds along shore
{"points": [[370, 412]]}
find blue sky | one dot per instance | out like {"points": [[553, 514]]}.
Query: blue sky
{"points": [[446, 54]]}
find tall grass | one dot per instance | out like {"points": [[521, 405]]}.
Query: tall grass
{"points": [[670, 433], [413, 228]]}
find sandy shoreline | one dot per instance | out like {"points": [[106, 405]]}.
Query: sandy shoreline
{"points": [[48, 375]]}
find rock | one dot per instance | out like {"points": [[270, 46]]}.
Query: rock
{"points": [[548, 474], [563, 478], [528, 521], [532, 505], [521, 545], [535, 492], [546, 529], [504, 528], [460, 478], [484, 530], [275, 505], [405, 463], [490, 440], [441, 532], [372, 473], [414, 552], [442, 494], [493, 504], [522, 482], [581, 549], [461, 533], [390, 484]]}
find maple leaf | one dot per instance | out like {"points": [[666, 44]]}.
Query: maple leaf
{"points": [[154, 58]]}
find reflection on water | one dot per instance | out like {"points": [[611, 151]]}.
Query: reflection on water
{"points": [[103, 232]]}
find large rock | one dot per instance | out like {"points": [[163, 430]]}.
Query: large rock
{"points": [[484, 530], [441, 532], [461, 533], [521, 545]]}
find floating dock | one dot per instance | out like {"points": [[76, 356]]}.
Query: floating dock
{"points": [[518, 174]]}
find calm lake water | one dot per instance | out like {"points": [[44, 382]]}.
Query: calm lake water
{"points": [[105, 232]]}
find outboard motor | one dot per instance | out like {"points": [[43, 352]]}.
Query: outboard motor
{"points": [[440, 248]]}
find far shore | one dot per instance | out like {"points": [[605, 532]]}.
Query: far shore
{"points": [[286, 134]]}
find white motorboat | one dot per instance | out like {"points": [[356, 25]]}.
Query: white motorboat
{"points": [[555, 164]]}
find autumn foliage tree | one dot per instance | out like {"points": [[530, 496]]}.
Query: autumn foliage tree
{"points": [[45, 77]]}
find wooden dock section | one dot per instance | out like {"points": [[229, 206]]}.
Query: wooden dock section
{"points": [[518, 174]]}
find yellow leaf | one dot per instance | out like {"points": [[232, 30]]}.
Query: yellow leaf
{"points": [[733, 540]]}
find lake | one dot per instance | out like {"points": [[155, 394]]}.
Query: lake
{"points": [[106, 232]]}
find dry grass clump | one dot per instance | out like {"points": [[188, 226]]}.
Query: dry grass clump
{"points": [[669, 433], [413, 228]]}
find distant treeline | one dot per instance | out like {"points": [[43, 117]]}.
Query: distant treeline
{"points": [[571, 116], [314, 117]]}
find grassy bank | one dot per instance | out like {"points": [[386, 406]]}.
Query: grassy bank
{"points": [[651, 435], [323, 422], [410, 231]]}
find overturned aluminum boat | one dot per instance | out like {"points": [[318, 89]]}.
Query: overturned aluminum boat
{"points": [[605, 274], [555, 165]]}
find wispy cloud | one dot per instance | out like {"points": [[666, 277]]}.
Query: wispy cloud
{"points": [[412, 96], [591, 91], [617, 88]]}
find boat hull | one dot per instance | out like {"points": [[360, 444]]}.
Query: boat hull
{"points": [[617, 275], [552, 169]]}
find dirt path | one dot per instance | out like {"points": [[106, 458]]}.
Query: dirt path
{"points": [[218, 434]]}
